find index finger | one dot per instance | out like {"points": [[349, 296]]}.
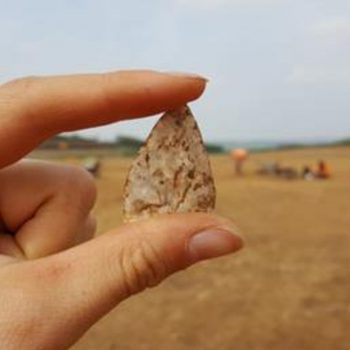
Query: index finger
{"points": [[34, 109]]}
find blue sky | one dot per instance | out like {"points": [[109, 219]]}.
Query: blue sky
{"points": [[278, 69]]}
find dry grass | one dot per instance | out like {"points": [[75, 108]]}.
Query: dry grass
{"points": [[288, 289]]}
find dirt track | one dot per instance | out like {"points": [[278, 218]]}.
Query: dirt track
{"points": [[289, 289]]}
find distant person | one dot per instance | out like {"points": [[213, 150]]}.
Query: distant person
{"points": [[93, 166], [268, 168], [307, 173], [286, 172], [323, 171], [55, 281], [239, 156]]}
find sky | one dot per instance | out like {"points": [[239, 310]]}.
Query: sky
{"points": [[278, 69]]}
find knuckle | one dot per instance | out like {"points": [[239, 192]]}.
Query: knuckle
{"points": [[21, 97], [107, 91], [141, 267], [22, 84], [91, 226], [79, 185], [15, 92], [88, 230]]}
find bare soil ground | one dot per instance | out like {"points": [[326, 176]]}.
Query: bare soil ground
{"points": [[288, 289]]}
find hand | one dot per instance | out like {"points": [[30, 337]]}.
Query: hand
{"points": [[52, 288]]}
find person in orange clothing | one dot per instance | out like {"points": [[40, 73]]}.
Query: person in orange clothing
{"points": [[239, 155], [323, 170]]}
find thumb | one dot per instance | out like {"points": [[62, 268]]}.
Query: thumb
{"points": [[94, 277]]}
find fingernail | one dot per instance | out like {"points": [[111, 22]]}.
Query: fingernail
{"points": [[187, 75], [212, 243]]}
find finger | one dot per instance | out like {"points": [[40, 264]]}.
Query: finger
{"points": [[92, 278], [46, 205], [34, 109], [87, 230], [9, 247]]}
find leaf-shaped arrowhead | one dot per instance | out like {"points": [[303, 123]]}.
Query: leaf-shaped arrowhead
{"points": [[171, 172]]}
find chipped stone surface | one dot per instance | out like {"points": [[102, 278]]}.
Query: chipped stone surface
{"points": [[172, 171]]}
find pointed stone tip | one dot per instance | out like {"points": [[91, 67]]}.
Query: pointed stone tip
{"points": [[176, 176]]}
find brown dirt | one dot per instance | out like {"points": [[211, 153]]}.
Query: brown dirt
{"points": [[288, 289]]}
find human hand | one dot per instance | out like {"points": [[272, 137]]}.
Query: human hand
{"points": [[53, 286]]}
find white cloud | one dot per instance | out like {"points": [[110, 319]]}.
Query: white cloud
{"points": [[331, 27], [325, 53], [209, 4], [330, 33], [30, 47], [319, 74]]}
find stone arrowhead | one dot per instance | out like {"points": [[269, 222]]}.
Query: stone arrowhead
{"points": [[171, 172]]}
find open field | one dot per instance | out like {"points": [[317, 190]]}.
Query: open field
{"points": [[288, 289]]}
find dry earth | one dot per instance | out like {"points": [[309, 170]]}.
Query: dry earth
{"points": [[288, 289]]}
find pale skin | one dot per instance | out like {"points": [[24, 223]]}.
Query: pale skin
{"points": [[55, 280]]}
